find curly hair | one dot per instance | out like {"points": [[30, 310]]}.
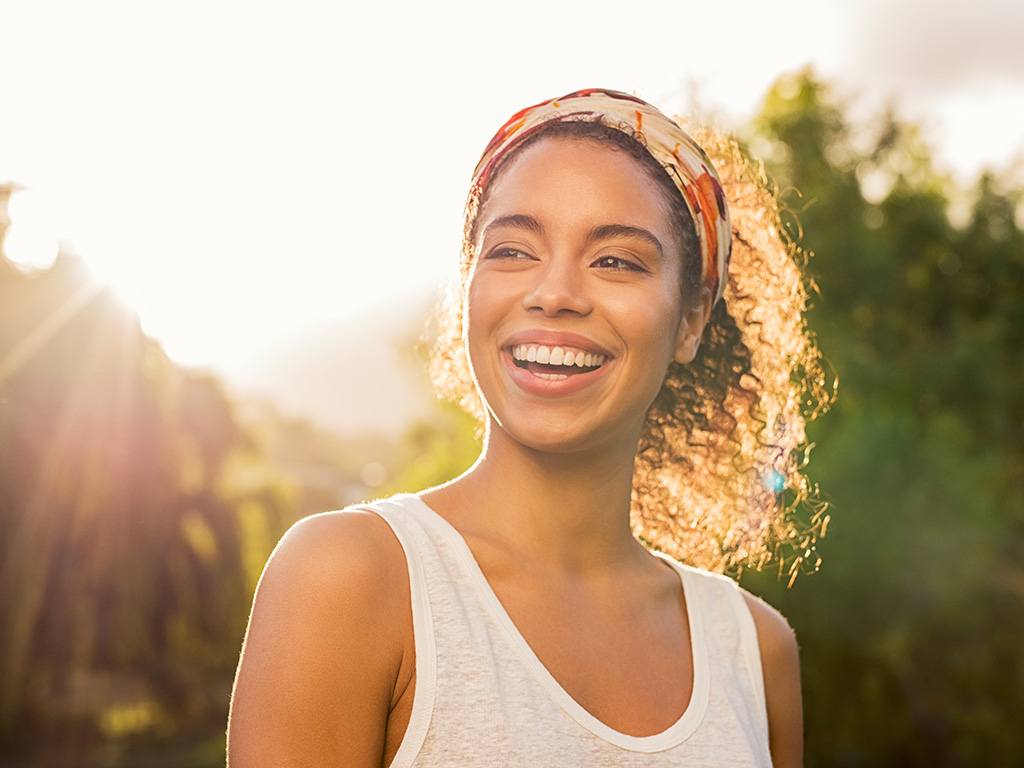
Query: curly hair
{"points": [[719, 471]]}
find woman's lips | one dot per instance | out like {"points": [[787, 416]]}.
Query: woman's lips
{"points": [[550, 362], [546, 379]]}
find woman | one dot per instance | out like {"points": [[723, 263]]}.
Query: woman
{"points": [[511, 616]]}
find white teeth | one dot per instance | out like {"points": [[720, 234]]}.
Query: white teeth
{"points": [[538, 353], [551, 376]]}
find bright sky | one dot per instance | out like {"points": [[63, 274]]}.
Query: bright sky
{"points": [[237, 170]]}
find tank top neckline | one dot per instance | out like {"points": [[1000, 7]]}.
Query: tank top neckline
{"points": [[675, 734]]}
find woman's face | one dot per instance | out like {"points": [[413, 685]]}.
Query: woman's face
{"points": [[574, 309]]}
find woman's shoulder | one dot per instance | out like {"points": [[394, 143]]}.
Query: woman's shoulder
{"points": [[780, 673], [772, 628], [338, 551], [774, 634], [333, 572], [329, 645], [780, 665]]}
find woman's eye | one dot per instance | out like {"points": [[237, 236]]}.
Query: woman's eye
{"points": [[618, 262], [509, 253]]}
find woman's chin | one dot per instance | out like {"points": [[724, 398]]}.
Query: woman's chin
{"points": [[558, 438]]}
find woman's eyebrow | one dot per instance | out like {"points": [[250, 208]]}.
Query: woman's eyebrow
{"points": [[603, 232], [609, 231], [516, 221]]}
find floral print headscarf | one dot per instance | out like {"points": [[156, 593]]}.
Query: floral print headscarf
{"points": [[685, 162]]}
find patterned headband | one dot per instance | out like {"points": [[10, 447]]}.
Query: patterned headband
{"points": [[685, 161]]}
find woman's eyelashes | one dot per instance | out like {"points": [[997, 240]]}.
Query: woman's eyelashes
{"points": [[610, 262], [619, 263], [512, 254]]}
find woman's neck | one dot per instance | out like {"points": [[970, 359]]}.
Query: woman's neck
{"points": [[565, 510]]}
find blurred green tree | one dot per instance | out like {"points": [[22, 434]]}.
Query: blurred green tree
{"points": [[433, 451], [912, 630]]}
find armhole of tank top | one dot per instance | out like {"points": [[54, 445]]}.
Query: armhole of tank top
{"points": [[423, 641], [751, 651]]}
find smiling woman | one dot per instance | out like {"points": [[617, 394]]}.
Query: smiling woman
{"points": [[634, 387]]}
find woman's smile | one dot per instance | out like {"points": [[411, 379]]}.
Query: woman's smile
{"points": [[553, 363]]}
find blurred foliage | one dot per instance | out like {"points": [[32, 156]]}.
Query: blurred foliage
{"points": [[138, 506], [124, 539], [138, 502], [434, 452], [911, 632]]}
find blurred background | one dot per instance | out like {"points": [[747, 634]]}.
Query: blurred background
{"points": [[223, 225]]}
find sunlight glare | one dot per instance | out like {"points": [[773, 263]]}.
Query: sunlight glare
{"points": [[30, 244]]}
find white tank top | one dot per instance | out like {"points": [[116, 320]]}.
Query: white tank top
{"points": [[483, 698]]}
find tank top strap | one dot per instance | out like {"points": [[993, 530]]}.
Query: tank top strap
{"points": [[421, 560], [731, 637]]}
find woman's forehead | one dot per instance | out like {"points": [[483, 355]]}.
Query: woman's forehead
{"points": [[577, 174]]}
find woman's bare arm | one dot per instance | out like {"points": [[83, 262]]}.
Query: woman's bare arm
{"points": [[327, 649], [780, 661]]}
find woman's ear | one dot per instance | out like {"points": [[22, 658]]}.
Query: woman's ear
{"points": [[691, 328]]}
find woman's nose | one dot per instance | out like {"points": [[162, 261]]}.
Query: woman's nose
{"points": [[559, 287]]}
